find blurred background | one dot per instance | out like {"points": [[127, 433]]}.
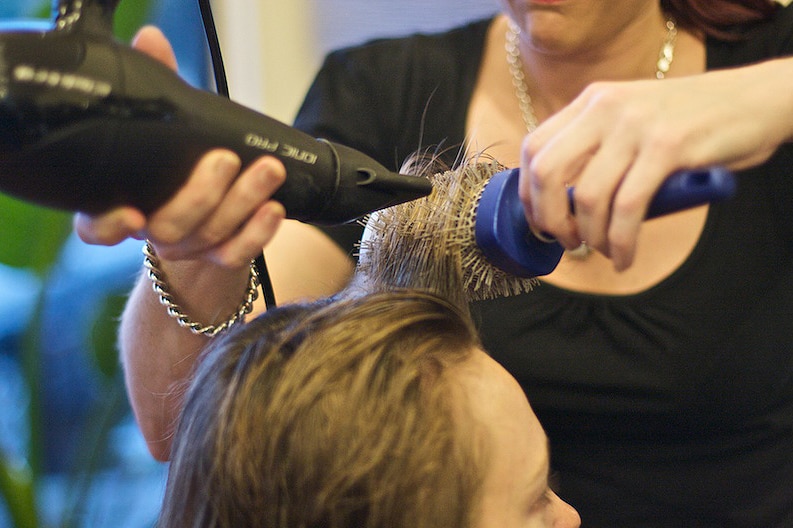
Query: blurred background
{"points": [[70, 453]]}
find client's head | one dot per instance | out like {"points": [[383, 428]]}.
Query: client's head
{"points": [[376, 411]]}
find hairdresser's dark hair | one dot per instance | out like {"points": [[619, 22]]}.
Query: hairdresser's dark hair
{"points": [[337, 414], [721, 19]]}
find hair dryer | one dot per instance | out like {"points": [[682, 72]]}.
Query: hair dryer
{"points": [[87, 123]]}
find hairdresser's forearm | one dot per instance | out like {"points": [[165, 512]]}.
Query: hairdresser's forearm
{"points": [[786, 72], [159, 355], [774, 80]]}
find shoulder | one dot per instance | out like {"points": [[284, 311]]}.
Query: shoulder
{"points": [[383, 92], [449, 52], [454, 41], [768, 39]]}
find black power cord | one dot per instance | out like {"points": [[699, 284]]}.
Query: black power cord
{"points": [[221, 82], [222, 88]]}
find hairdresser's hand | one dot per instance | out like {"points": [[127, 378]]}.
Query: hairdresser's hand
{"points": [[220, 213], [617, 142]]}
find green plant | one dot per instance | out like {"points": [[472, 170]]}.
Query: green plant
{"points": [[32, 238]]}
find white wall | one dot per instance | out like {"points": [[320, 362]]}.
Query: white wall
{"points": [[272, 48], [345, 22]]}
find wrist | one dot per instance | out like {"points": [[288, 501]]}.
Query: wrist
{"points": [[201, 297]]}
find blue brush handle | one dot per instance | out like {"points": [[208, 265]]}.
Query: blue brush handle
{"points": [[503, 234]]}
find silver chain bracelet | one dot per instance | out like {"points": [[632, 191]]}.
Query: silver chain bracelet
{"points": [[160, 287]]}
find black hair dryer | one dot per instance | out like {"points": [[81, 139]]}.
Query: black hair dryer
{"points": [[87, 123]]}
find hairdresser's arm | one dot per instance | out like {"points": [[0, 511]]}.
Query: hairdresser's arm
{"points": [[208, 280], [158, 356], [204, 237], [204, 240], [618, 141]]}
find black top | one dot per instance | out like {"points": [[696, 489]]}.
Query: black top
{"points": [[669, 408]]}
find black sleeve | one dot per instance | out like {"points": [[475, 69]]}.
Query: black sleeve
{"points": [[341, 107], [766, 40], [390, 98]]}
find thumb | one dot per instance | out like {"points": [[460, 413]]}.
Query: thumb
{"points": [[110, 228], [151, 41]]}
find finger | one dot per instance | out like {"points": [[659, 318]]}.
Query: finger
{"points": [[110, 228], [197, 200], [579, 132], [252, 238], [630, 205], [151, 41], [549, 128], [250, 191], [546, 175], [545, 203], [596, 187]]}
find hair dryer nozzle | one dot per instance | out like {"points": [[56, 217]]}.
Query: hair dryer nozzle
{"points": [[364, 186]]}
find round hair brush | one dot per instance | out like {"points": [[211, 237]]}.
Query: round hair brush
{"points": [[469, 239]]}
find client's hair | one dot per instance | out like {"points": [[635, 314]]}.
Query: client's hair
{"points": [[336, 414]]}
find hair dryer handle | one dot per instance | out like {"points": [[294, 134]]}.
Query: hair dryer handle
{"points": [[504, 236], [87, 124]]}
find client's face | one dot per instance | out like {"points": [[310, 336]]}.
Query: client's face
{"points": [[515, 490]]}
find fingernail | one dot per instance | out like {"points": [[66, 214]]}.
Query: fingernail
{"points": [[272, 168], [227, 164], [274, 213]]}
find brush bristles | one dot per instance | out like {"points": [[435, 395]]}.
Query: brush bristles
{"points": [[430, 243]]}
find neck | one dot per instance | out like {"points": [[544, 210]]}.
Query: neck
{"points": [[550, 65]]}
